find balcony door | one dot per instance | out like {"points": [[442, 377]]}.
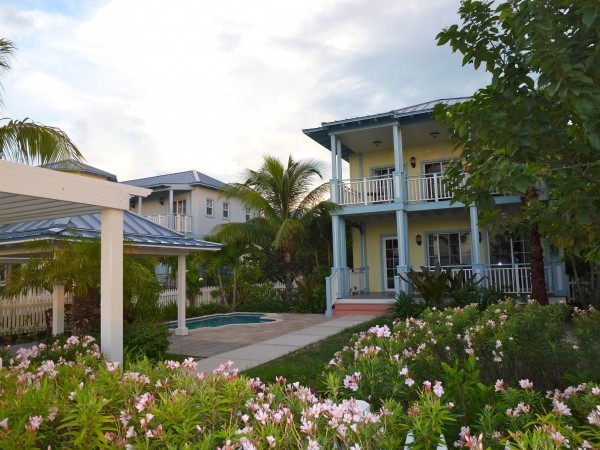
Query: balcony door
{"points": [[390, 262], [381, 184], [434, 189]]}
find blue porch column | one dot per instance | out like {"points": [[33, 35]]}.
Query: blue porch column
{"points": [[343, 261], [476, 262], [558, 273], [363, 254], [398, 174], [403, 255]]}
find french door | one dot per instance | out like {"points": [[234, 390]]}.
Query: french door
{"points": [[390, 262]]}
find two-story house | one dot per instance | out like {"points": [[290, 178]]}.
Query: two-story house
{"points": [[401, 214], [187, 202]]}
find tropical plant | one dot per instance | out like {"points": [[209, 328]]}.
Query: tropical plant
{"points": [[75, 263], [26, 141], [438, 285], [284, 205]]}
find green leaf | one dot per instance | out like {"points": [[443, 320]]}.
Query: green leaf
{"points": [[589, 15]]}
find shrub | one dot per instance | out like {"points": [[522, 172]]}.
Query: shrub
{"points": [[146, 339], [405, 306], [205, 309], [511, 342]]}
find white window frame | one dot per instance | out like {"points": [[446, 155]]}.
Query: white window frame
{"points": [[180, 207], [226, 211], [210, 207], [248, 214], [433, 260]]}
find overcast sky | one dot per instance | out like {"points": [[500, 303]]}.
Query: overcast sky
{"points": [[146, 87]]}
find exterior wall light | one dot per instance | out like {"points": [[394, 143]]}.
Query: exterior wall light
{"points": [[161, 200], [419, 240], [413, 162]]}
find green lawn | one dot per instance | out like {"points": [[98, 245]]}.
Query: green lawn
{"points": [[306, 364]]}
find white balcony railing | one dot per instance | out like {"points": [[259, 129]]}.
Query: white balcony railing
{"points": [[365, 191], [181, 223], [377, 190], [427, 188]]}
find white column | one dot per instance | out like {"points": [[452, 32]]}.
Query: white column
{"points": [[139, 208], [181, 301], [58, 309], [171, 224], [111, 285]]}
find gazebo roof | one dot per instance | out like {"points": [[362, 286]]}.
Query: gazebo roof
{"points": [[142, 235]]}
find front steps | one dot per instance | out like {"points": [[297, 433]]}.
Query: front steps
{"points": [[342, 308]]}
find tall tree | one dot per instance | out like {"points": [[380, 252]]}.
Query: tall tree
{"points": [[284, 206], [26, 141], [535, 129]]}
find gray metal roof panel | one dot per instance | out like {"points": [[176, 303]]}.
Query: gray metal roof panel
{"points": [[192, 177], [136, 230], [70, 165]]}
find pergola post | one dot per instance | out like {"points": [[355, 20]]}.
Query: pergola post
{"points": [[181, 300], [58, 309], [111, 287]]}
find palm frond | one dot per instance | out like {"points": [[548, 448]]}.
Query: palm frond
{"points": [[28, 142], [6, 52]]}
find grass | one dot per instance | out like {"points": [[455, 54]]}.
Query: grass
{"points": [[307, 364]]}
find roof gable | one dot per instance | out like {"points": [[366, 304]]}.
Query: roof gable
{"points": [[191, 177]]}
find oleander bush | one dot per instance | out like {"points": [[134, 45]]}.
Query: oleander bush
{"points": [[67, 395], [474, 354]]}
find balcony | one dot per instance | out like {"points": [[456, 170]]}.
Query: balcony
{"points": [[377, 190], [181, 223]]}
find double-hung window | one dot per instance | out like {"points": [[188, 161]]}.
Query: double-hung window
{"points": [[449, 249], [225, 210], [209, 207]]}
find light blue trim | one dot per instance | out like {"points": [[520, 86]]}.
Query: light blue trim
{"points": [[329, 302], [368, 209], [428, 206], [506, 199]]}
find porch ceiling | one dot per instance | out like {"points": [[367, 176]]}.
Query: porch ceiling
{"points": [[363, 140]]}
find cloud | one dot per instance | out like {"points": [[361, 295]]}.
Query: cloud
{"points": [[148, 87]]}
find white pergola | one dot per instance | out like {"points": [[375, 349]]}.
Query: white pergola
{"points": [[33, 193]]}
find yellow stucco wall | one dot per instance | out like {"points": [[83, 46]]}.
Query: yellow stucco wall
{"points": [[417, 254], [430, 152]]}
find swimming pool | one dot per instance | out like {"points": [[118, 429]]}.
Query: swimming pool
{"points": [[219, 320]]}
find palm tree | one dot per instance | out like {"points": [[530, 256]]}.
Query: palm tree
{"points": [[28, 142], [284, 206]]}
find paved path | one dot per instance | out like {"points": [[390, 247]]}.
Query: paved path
{"points": [[252, 345]]}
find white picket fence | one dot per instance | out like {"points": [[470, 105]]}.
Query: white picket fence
{"points": [[205, 296], [25, 313]]}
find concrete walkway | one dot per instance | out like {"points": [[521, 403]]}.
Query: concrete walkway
{"points": [[290, 333]]}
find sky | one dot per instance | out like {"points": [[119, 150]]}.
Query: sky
{"points": [[148, 87]]}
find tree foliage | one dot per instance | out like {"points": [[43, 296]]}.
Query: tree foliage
{"points": [[535, 129], [285, 207], [26, 141]]}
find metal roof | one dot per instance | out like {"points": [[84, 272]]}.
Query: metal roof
{"points": [[137, 231], [192, 177], [70, 165], [403, 116]]}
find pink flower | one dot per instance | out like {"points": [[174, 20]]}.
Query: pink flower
{"points": [[409, 381], [594, 417], [525, 384], [438, 389], [499, 386], [271, 441], [560, 408], [4, 424], [34, 423]]}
